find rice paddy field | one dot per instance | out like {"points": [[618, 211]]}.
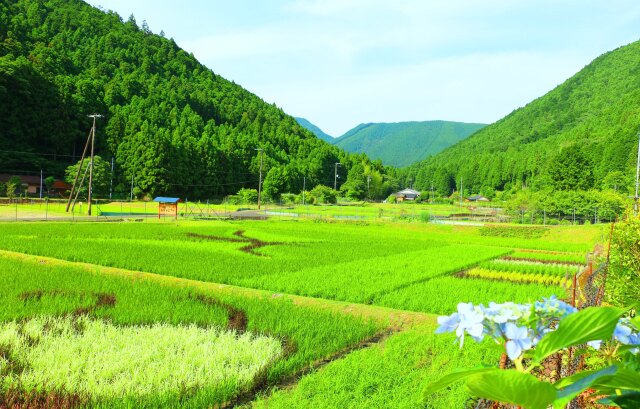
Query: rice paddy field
{"points": [[266, 314]]}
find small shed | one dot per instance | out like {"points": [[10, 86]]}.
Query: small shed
{"points": [[406, 194], [167, 206], [477, 198]]}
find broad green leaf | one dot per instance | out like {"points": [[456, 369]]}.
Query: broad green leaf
{"points": [[590, 324], [454, 377], [564, 382], [510, 386], [623, 379], [625, 401], [573, 389]]}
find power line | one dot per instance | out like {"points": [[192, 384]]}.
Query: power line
{"points": [[38, 154]]}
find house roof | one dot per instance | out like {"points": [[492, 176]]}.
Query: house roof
{"points": [[408, 192], [30, 180], [477, 197], [162, 199], [60, 184]]}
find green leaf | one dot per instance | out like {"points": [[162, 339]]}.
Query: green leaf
{"points": [[625, 401], [579, 384], [590, 324], [622, 379], [453, 377], [510, 386]]}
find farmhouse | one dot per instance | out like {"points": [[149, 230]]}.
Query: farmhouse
{"points": [[406, 194], [31, 185], [477, 198]]}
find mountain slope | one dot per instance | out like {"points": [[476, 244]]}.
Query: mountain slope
{"points": [[403, 143], [592, 117], [172, 125], [314, 129]]}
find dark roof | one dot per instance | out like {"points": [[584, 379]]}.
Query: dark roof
{"points": [[162, 199], [60, 184], [30, 180]]}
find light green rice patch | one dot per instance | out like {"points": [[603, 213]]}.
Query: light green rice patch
{"points": [[101, 360]]}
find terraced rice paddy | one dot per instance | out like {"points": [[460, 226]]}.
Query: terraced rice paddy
{"points": [[211, 313]]}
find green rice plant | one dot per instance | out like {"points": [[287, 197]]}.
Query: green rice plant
{"points": [[364, 281], [32, 288], [100, 360], [443, 294], [559, 270], [388, 375], [559, 257], [517, 277], [528, 232]]}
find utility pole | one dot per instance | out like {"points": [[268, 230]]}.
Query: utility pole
{"points": [[93, 143], [368, 185], [460, 192], [304, 187], [431, 192], [335, 176], [635, 198], [111, 184], [40, 183], [131, 193], [260, 180], [75, 180]]}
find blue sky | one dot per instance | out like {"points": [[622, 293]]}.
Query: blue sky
{"points": [[340, 63]]}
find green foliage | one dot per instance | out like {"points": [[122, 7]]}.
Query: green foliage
{"points": [[571, 170], [173, 125], [248, 196], [12, 185], [101, 176], [48, 183], [597, 110], [322, 195], [401, 144], [624, 270], [590, 324], [582, 205]]}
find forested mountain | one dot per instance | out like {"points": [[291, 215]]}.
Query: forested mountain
{"points": [[315, 130], [403, 143], [172, 125], [581, 135]]}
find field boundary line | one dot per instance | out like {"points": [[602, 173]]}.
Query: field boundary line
{"points": [[393, 318]]}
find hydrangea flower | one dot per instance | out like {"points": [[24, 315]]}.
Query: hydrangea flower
{"points": [[518, 342], [521, 326], [448, 323]]}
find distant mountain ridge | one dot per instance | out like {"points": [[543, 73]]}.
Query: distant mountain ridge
{"points": [[580, 135], [403, 143], [305, 123]]}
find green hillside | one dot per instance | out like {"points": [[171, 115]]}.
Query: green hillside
{"points": [[171, 124], [315, 130], [403, 143], [581, 135]]}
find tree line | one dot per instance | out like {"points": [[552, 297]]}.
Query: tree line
{"points": [[171, 125]]}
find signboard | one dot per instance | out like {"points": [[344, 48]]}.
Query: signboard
{"points": [[168, 209]]}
